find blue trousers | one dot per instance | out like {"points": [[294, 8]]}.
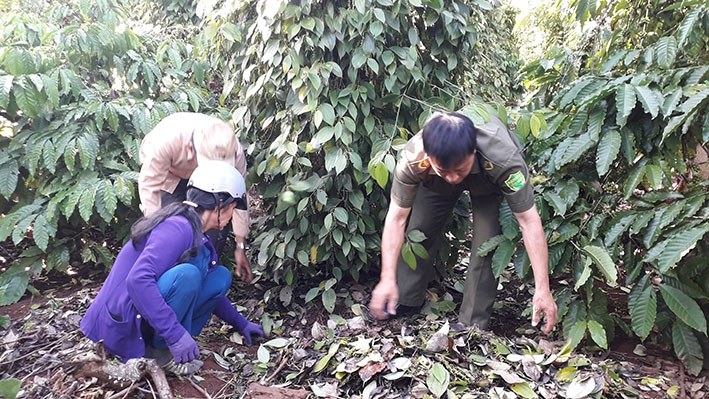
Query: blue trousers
{"points": [[192, 293]]}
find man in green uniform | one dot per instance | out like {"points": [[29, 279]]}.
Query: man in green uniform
{"points": [[448, 156]]}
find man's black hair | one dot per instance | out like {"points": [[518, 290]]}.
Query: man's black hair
{"points": [[449, 138]]}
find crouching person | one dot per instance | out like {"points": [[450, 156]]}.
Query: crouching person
{"points": [[165, 282]]}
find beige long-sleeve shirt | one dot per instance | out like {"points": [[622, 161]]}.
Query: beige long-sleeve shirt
{"points": [[166, 157]]}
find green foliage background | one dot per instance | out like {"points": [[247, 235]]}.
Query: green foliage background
{"points": [[324, 93], [77, 93], [326, 96], [626, 107]]}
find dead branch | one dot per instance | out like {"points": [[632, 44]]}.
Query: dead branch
{"points": [[124, 376]]}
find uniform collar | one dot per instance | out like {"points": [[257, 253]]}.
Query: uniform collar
{"points": [[476, 165], [424, 163]]}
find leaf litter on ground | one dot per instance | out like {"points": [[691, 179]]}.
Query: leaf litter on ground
{"points": [[346, 355]]}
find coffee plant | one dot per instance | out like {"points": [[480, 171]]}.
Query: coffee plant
{"points": [[76, 97], [622, 205]]}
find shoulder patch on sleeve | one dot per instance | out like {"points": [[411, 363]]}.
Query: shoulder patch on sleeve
{"points": [[515, 181]]}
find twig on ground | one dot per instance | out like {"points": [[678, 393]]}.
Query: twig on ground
{"points": [[199, 388], [152, 390], [20, 338], [70, 391], [49, 345], [226, 384], [123, 393], [682, 380], [277, 370]]}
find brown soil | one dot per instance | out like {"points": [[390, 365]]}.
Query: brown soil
{"points": [[40, 322]]}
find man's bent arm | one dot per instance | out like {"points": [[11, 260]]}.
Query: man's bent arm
{"points": [[393, 239], [152, 176], [536, 245]]}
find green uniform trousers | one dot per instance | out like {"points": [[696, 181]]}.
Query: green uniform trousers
{"points": [[430, 213]]}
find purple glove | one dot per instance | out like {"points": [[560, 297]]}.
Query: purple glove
{"points": [[226, 311], [249, 330], [185, 349]]}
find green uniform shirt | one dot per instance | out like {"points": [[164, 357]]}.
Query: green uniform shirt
{"points": [[499, 162]]}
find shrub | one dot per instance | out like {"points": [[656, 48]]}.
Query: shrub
{"points": [[77, 95], [620, 201], [326, 93]]}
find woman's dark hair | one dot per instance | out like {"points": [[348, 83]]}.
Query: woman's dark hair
{"points": [[203, 201], [449, 138], [208, 201], [143, 226]]}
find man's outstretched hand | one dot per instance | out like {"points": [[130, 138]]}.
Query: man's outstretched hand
{"points": [[543, 303], [384, 299]]}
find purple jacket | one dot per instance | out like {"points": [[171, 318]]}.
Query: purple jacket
{"points": [[130, 292]]}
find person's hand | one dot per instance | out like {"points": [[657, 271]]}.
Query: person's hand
{"points": [[250, 330], [241, 265], [384, 300], [185, 349], [543, 302]]}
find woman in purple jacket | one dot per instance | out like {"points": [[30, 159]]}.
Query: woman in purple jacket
{"points": [[165, 283]]}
